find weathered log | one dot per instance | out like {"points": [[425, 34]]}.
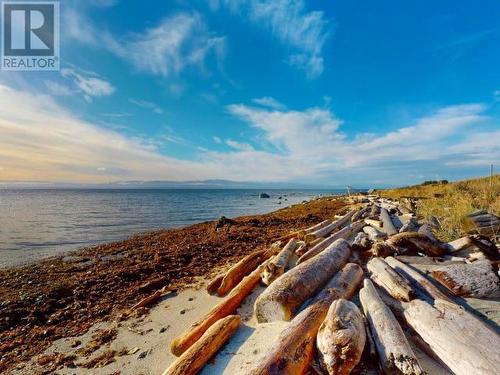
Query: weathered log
{"points": [[337, 224], [426, 230], [411, 259], [314, 228], [464, 343], [276, 266], [193, 359], [287, 293], [387, 224], [413, 243], [341, 338], [344, 233], [246, 265], [384, 276], [226, 307], [460, 244], [361, 242], [410, 226], [213, 285], [393, 348], [294, 349], [469, 280], [360, 214], [417, 280], [377, 224], [373, 233]]}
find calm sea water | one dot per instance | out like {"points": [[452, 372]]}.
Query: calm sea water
{"points": [[38, 223]]}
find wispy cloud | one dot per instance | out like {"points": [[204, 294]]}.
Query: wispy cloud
{"points": [[46, 142], [304, 32], [268, 101], [88, 83], [147, 105]]}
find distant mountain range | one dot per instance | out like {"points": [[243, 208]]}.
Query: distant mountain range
{"points": [[202, 184]]}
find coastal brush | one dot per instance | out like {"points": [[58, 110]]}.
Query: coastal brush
{"points": [[193, 359]]}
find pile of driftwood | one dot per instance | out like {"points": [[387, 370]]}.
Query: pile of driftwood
{"points": [[417, 294]]}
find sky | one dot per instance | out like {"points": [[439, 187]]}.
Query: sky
{"points": [[331, 93]]}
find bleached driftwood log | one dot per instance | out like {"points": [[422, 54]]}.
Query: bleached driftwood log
{"points": [[337, 224], [426, 230], [344, 233], [410, 243], [460, 244], [246, 265], [373, 233], [438, 261], [464, 343], [361, 242], [276, 266], [384, 276], [374, 223], [193, 359], [294, 349], [318, 226], [226, 307], [395, 353], [410, 226], [469, 280], [360, 214], [285, 295], [341, 338], [213, 285], [416, 279], [387, 224]]}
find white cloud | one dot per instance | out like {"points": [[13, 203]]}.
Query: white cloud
{"points": [[147, 105], [58, 89], [46, 143], [88, 83], [217, 139], [240, 146], [267, 101], [305, 32]]}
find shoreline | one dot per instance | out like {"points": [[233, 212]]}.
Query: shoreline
{"points": [[56, 298]]}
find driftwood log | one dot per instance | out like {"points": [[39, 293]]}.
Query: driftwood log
{"points": [[213, 285], [287, 293], [417, 280], [344, 233], [464, 343], [318, 226], [395, 353], [387, 223], [294, 350], [373, 233], [276, 266], [227, 307], [410, 243], [360, 214], [470, 280], [384, 276], [337, 224], [193, 360], [341, 338], [246, 265]]}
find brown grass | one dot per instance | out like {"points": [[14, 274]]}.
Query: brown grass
{"points": [[451, 203]]}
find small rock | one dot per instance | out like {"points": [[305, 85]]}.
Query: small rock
{"points": [[75, 343], [191, 299], [264, 195], [163, 329], [182, 312], [143, 354]]}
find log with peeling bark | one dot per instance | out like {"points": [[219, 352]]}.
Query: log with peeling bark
{"points": [[469, 280], [374, 223], [464, 343], [393, 283], [360, 214], [395, 353], [213, 285], [373, 233], [344, 233], [341, 338], [195, 358], [226, 307], [294, 350], [413, 243], [286, 294], [337, 224], [276, 266], [387, 224], [417, 280], [246, 265]]}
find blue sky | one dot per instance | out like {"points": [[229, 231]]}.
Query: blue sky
{"points": [[336, 92]]}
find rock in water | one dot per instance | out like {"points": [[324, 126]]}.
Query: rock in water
{"points": [[264, 195]]}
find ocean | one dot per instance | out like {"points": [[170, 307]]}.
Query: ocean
{"points": [[36, 223]]}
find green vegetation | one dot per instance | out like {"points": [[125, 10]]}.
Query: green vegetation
{"points": [[452, 202]]}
